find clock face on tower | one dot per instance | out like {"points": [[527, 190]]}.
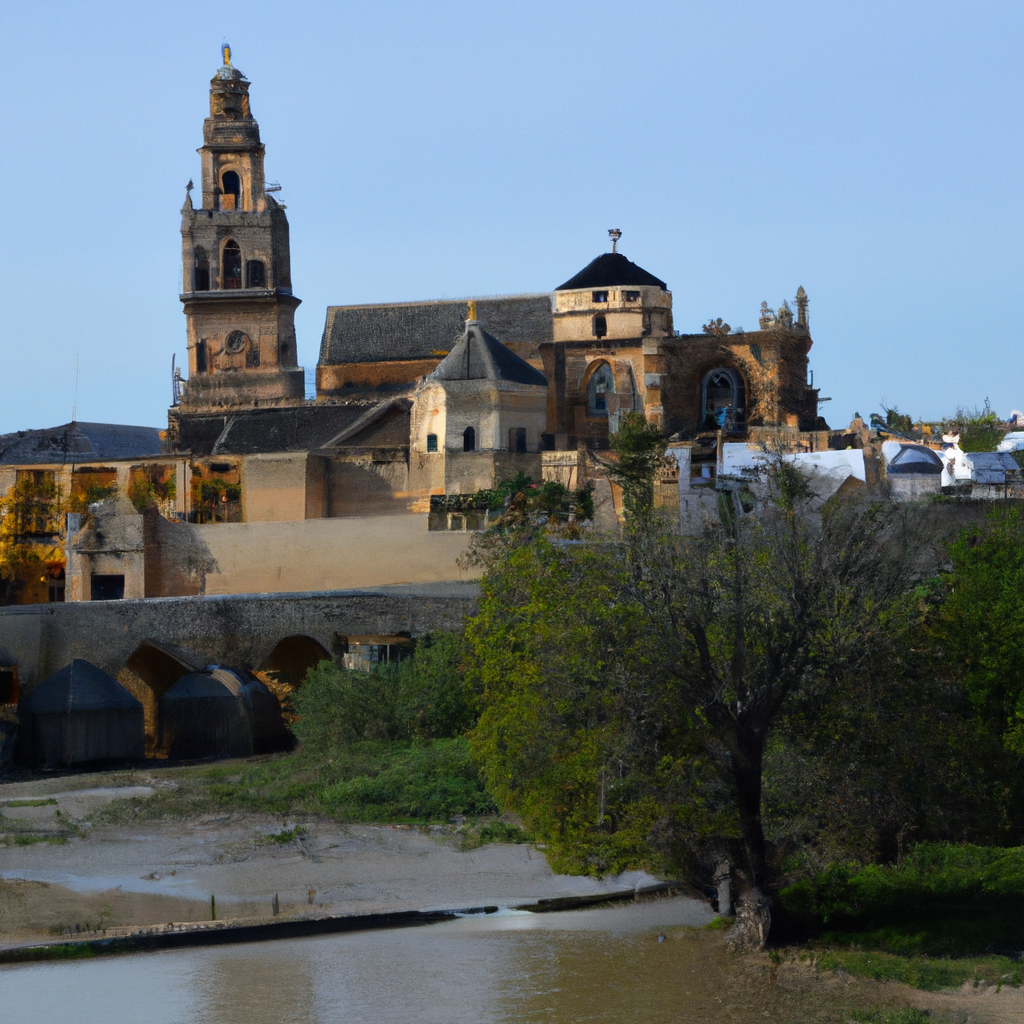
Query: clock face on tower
{"points": [[237, 340]]}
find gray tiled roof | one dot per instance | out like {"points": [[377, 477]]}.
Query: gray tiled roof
{"points": [[294, 429], [480, 356], [420, 330], [79, 442]]}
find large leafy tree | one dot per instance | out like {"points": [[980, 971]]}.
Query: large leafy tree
{"points": [[630, 690]]}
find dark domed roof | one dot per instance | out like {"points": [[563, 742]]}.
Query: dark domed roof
{"points": [[610, 269], [80, 686], [480, 356]]}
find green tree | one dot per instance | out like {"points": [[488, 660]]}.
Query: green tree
{"points": [[629, 693], [639, 448], [979, 429], [975, 633]]}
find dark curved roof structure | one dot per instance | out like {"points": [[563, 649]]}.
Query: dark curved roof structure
{"points": [[480, 356], [80, 686], [610, 269]]}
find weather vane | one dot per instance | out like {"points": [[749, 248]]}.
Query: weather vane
{"points": [[614, 234]]}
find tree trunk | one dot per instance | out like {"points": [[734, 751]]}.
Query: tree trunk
{"points": [[747, 762]]}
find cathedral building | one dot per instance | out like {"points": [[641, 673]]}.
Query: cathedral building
{"points": [[415, 402], [604, 343]]}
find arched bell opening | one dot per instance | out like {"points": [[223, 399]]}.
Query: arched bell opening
{"points": [[231, 191], [231, 265]]}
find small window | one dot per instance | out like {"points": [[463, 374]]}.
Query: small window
{"points": [[600, 385], [232, 265], [109, 587], [631, 296], [232, 195], [201, 356], [201, 271], [517, 439], [469, 440], [255, 274], [599, 296], [600, 326], [431, 442]]}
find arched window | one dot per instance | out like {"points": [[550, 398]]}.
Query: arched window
{"points": [[601, 383], [201, 271], [431, 442], [724, 401], [232, 191], [600, 325], [255, 274], [469, 440], [231, 265]]}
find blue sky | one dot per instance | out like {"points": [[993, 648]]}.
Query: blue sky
{"points": [[869, 151]]}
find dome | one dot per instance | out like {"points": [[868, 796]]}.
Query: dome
{"points": [[608, 270]]}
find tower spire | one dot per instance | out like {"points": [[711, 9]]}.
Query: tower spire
{"points": [[225, 51]]}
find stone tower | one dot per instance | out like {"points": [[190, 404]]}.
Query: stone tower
{"points": [[237, 286]]}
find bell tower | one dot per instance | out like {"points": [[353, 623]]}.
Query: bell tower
{"points": [[236, 272]]}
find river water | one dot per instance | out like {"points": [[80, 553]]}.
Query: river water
{"points": [[596, 966]]}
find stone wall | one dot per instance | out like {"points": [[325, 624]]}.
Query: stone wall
{"points": [[240, 630], [328, 554]]}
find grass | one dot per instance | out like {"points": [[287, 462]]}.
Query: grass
{"points": [[904, 1015], [286, 835], [928, 973], [366, 780], [44, 802]]}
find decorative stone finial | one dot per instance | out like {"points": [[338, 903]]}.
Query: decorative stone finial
{"points": [[801, 306], [614, 234], [472, 309], [767, 318]]}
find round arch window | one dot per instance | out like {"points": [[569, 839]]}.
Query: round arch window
{"points": [[237, 340], [600, 385], [724, 401]]}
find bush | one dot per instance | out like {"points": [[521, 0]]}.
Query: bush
{"points": [[942, 900], [423, 697], [420, 783]]}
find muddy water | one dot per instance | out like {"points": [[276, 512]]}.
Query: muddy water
{"points": [[594, 966]]}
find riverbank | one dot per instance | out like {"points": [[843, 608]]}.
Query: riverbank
{"points": [[64, 871], [79, 853]]}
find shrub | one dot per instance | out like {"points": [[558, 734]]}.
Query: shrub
{"points": [[423, 697]]}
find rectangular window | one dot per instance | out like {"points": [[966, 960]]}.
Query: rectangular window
{"points": [[431, 442], [600, 296], [109, 587], [631, 296], [517, 439], [255, 274], [201, 356], [600, 326]]}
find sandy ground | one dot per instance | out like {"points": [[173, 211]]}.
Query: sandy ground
{"points": [[163, 871]]}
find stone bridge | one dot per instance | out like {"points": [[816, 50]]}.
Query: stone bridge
{"points": [[283, 632]]}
